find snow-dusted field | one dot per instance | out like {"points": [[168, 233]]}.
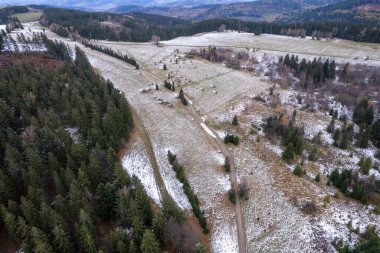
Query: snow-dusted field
{"points": [[136, 162], [272, 222]]}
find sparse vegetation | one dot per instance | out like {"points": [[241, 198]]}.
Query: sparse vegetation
{"points": [[193, 199]]}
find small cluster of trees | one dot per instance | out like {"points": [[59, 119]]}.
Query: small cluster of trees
{"points": [[231, 58], [230, 138], [168, 85], [292, 136], [365, 164], [352, 186], [193, 199], [363, 116], [112, 53], [309, 72]]}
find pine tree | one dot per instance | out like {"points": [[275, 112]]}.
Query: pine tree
{"points": [[235, 121], [345, 141], [159, 225], [61, 240], [331, 127], [149, 243], [288, 153]]}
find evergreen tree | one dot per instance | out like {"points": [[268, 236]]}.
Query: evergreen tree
{"points": [[149, 243], [288, 153], [235, 121], [364, 113]]}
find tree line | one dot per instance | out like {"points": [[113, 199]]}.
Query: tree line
{"points": [[309, 72], [139, 28], [61, 181], [112, 53]]}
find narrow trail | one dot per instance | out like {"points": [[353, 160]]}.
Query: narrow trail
{"points": [[242, 238], [149, 148]]}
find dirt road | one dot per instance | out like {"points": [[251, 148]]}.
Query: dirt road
{"points": [[242, 238]]}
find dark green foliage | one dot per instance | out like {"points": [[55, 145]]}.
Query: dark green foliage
{"points": [[365, 164], [60, 178], [232, 196], [363, 113], [112, 53], [341, 180], [169, 85], [310, 72], [375, 133], [230, 138], [235, 121], [193, 199], [318, 178], [6, 12], [298, 171], [292, 136], [149, 243], [171, 157], [288, 153], [362, 189], [313, 155], [105, 200], [182, 97], [364, 136], [118, 242]]}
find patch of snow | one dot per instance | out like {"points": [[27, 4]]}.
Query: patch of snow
{"points": [[208, 130], [137, 163]]}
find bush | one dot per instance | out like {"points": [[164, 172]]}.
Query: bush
{"points": [[318, 178], [231, 139], [313, 155], [227, 166], [298, 171], [232, 196]]}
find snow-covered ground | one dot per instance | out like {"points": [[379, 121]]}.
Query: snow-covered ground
{"points": [[136, 162]]}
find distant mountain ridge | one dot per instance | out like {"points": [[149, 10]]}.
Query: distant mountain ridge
{"points": [[357, 11], [261, 10]]}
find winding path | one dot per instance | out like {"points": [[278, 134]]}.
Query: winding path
{"points": [[242, 238]]}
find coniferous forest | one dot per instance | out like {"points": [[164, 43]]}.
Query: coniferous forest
{"points": [[140, 27], [62, 187]]}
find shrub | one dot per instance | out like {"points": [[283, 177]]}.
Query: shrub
{"points": [[232, 196], [227, 166], [231, 139], [298, 171]]}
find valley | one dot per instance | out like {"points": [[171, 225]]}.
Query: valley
{"points": [[271, 217]]}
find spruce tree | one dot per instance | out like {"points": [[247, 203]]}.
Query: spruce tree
{"points": [[288, 153], [149, 243], [235, 121]]}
